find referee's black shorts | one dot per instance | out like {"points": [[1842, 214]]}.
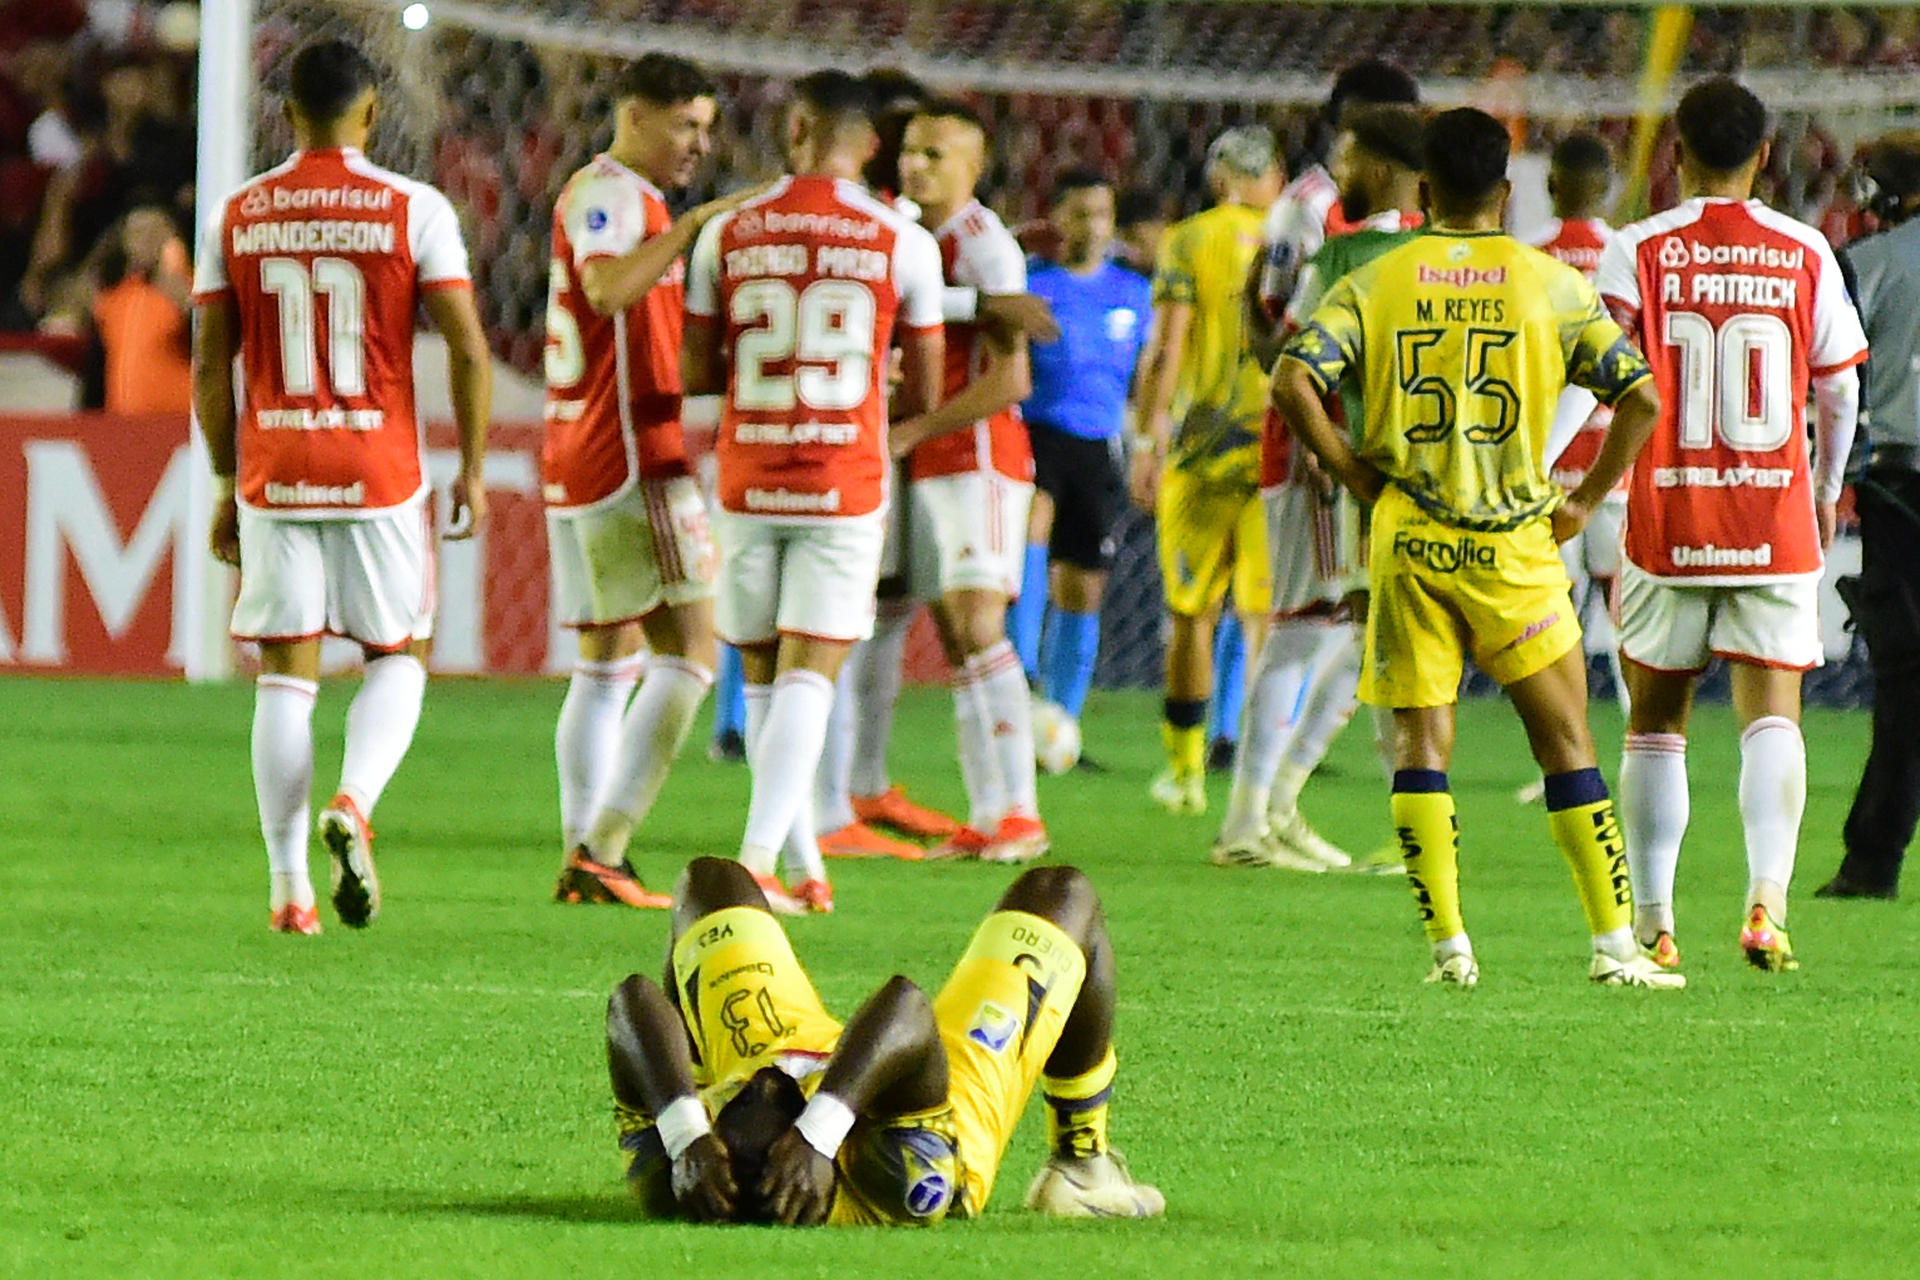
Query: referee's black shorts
{"points": [[1083, 478]]}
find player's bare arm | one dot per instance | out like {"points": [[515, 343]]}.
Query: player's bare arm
{"points": [[470, 384], [1296, 398], [1006, 380], [1634, 417], [651, 1066], [1015, 317], [1154, 386], [611, 285], [215, 344], [703, 365], [889, 1062], [1836, 409]]}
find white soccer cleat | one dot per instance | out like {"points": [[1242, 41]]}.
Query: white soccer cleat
{"points": [[1098, 1187], [348, 839], [1248, 851], [1458, 970], [1294, 833], [1533, 793], [1179, 795], [1636, 971]]}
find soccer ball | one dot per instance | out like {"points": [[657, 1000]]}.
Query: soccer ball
{"points": [[1056, 737]]}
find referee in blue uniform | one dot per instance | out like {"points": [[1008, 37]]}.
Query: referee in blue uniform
{"points": [[1079, 404]]}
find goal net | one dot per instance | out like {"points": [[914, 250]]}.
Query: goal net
{"points": [[497, 103]]}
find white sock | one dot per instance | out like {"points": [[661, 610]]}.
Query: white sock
{"points": [[1268, 720], [1010, 705], [282, 779], [380, 726], [1653, 809], [833, 786], [655, 728], [1383, 735], [979, 767], [783, 760], [1773, 795], [1330, 705], [877, 679], [800, 855], [585, 737]]}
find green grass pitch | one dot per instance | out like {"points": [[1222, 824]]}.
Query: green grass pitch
{"points": [[187, 1095]]}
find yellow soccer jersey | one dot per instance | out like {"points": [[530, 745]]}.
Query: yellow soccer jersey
{"points": [[1220, 397], [1460, 344]]}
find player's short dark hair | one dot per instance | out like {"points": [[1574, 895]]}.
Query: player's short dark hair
{"points": [[1582, 153], [750, 1123], [889, 89], [950, 109], [1373, 81], [1393, 133], [1078, 179], [1136, 205], [1464, 157], [328, 76], [1894, 163], [664, 79], [1721, 123], [834, 93]]}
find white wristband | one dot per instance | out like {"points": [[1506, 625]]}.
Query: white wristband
{"points": [[824, 1124], [683, 1122]]}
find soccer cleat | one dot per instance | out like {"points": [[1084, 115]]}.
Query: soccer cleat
{"points": [[583, 879], [1663, 950], [1459, 969], [779, 901], [727, 747], [1019, 838], [891, 808], [1387, 860], [965, 843], [1533, 793], [1845, 885], [348, 839], [1096, 1187], [1766, 944], [1220, 753], [1637, 971], [294, 918], [1294, 833], [1182, 795], [1248, 851], [815, 895], [858, 840]]}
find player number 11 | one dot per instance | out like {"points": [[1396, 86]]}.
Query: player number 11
{"points": [[293, 285]]}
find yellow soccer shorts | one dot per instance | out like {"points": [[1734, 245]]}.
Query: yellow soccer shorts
{"points": [[744, 996], [1442, 594], [1212, 534], [1000, 1015]]}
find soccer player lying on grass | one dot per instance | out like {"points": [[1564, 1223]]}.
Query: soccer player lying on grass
{"points": [[740, 1099]]}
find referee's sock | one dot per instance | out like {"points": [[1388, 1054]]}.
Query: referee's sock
{"points": [[1027, 615], [1067, 658], [1229, 679]]}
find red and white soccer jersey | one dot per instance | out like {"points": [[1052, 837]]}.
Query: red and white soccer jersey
{"points": [[1737, 307], [1581, 421], [807, 283], [613, 382], [977, 251], [324, 259]]}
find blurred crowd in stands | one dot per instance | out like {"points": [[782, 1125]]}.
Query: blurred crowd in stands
{"points": [[97, 156]]}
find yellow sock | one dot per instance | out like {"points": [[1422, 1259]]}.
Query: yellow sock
{"points": [[1429, 830], [1581, 814], [1186, 749], [1077, 1110]]}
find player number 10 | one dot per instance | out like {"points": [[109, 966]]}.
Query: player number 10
{"points": [[826, 329], [293, 285], [1737, 378]]}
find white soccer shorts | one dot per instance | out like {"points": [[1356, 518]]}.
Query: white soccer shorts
{"points": [[967, 532], [621, 559], [1313, 549], [812, 578], [370, 578], [1597, 551], [1674, 627]]}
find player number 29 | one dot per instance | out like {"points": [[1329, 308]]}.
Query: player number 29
{"points": [[293, 285], [825, 330], [1736, 378]]}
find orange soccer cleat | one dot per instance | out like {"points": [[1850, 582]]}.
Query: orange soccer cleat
{"points": [[779, 901], [891, 808], [294, 918], [1019, 838], [964, 843], [348, 838], [858, 840], [816, 895], [584, 880]]}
